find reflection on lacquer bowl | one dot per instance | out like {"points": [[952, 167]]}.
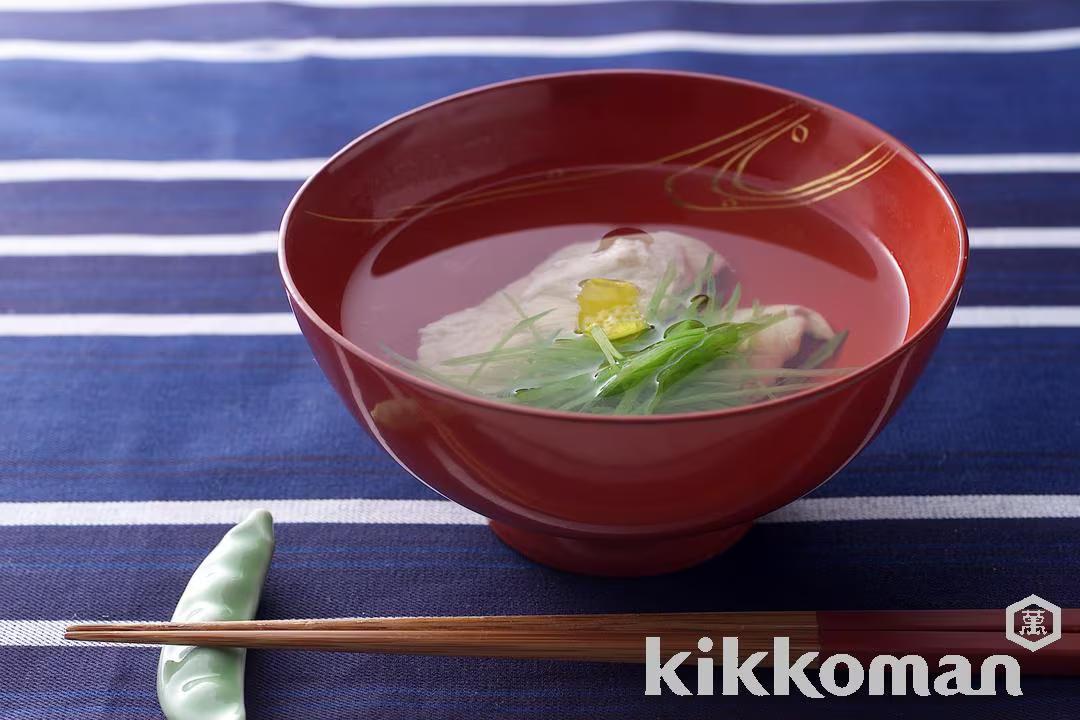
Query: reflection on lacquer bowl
{"points": [[806, 204]]}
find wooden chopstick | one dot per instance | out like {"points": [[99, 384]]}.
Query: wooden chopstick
{"points": [[717, 623], [620, 637], [605, 638]]}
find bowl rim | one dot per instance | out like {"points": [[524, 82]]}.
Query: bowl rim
{"points": [[939, 313]]}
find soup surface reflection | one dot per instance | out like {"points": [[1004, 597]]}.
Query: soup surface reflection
{"points": [[655, 306]]}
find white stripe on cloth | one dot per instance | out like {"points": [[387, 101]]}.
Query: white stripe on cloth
{"points": [[1025, 238], [443, 512], [228, 512], [153, 245], [1004, 163], [1020, 238], [27, 171], [96, 5], [43, 633], [299, 169], [1064, 316], [147, 325], [151, 325], [928, 507], [614, 45]]}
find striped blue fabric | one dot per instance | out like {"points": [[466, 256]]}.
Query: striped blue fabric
{"points": [[153, 386]]}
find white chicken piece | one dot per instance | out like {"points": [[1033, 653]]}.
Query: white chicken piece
{"points": [[553, 286], [774, 346]]}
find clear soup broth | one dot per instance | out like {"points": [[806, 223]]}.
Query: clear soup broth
{"points": [[602, 291]]}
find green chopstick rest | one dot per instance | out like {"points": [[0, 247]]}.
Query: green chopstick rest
{"points": [[208, 683]]}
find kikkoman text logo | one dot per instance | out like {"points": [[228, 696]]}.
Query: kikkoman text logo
{"points": [[1032, 623]]}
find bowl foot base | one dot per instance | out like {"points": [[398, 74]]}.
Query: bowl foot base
{"points": [[618, 558]]}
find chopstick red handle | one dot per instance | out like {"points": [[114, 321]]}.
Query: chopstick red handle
{"points": [[946, 620]]}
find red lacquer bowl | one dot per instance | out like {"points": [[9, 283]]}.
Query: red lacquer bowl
{"points": [[620, 495]]}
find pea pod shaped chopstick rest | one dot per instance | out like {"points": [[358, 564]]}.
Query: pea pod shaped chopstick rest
{"points": [[200, 683]]}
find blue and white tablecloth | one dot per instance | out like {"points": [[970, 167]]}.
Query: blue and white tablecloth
{"points": [[153, 386]]}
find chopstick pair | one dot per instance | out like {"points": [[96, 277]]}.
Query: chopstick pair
{"points": [[974, 634]]}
